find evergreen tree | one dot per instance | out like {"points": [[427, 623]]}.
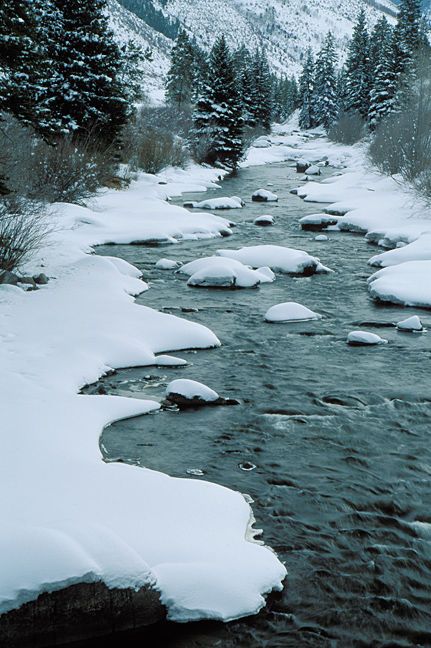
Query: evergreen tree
{"points": [[86, 93], [262, 91], [182, 73], [385, 84], [407, 39], [381, 34], [217, 120], [357, 75], [306, 93], [325, 84], [244, 71]]}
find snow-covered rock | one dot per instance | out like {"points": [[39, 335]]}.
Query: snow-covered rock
{"points": [[302, 165], [262, 142], [218, 203], [313, 170], [407, 283], [189, 393], [264, 221], [317, 222], [219, 272], [290, 312], [263, 195], [411, 324], [321, 237], [276, 257], [166, 264], [418, 250], [363, 338]]}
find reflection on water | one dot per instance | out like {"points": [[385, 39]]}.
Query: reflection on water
{"points": [[339, 436]]}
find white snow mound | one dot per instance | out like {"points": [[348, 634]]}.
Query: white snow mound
{"points": [[263, 195], [264, 220], [363, 338], [276, 257], [290, 312], [166, 264], [191, 389], [220, 203], [224, 273], [407, 283], [412, 324]]}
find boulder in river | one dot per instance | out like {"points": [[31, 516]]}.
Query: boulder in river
{"points": [[363, 338], [411, 325], [317, 222], [264, 221], [302, 166], [189, 393], [313, 170], [263, 195], [290, 312]]}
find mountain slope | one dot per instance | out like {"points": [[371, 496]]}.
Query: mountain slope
{"points": [[284, 28]]}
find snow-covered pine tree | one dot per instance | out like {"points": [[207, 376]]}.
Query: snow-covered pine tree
{"points": [[244, 71], [292, 96], [86, 93], [182, 73], [306, 93], [262, 91], [381, 34], [325, 84], [357, 70], [217, 120], [385, 82], [407, 39]]}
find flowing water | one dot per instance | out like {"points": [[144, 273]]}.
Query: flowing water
{"points": [[338, 436]]}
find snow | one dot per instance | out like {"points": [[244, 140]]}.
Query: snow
{"points": [[407, 283], [418, 250], [276, 257], [263, 195], [224, 273], [313, 170], [317, 221], [264, 220], [166, 264], [219, 203], [411, 324], [321, 237], [67, 516], [290, 312], [191, 389], [363, 338]]}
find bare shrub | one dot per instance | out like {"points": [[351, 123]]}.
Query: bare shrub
{"points": [[402, 142], [149, 142], [23, 229], [348, 129], [68, 171]]}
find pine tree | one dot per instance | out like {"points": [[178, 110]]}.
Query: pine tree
{"points": [[244, 71], [182, 73], [407, 39], [86, 93], [217, 120], [325, 84], [385, 84], [262, 91], [357, 75], [306, 93], [381, 34]]}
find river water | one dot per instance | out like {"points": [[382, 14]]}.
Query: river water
{"points": [[338, 435]]}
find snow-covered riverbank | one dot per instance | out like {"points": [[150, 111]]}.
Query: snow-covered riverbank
{"points": [[67, 516]]}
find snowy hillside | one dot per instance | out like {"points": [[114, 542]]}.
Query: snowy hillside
{"points": [[284, 28]]}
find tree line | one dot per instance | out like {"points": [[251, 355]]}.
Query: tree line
{"points": [[232, 94], [376, 78]]}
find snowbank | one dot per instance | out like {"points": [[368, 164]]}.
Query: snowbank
{"points": [[276, 257], [407, 283], [67, 516]]}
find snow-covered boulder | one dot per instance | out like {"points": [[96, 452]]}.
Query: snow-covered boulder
{"points": [[313, 170], [264, 221], [302, 166], [317, 222], [321, 237], [363, 338], [276, 257], [167, 264], [290, 312], [218, 203], [407, 283], [219, 272], [262, 142], [411, 325], [189, 393], [418, 250], [263, 195]]}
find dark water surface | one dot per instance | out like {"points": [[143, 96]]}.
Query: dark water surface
{"points": [[339, 436]]}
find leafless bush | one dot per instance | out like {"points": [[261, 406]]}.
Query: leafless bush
{"points": [[348, 129], [23, 229], [402, 143], [151, 145], [68, 171]]}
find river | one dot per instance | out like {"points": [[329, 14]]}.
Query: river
{"points": [[337, 437]]}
